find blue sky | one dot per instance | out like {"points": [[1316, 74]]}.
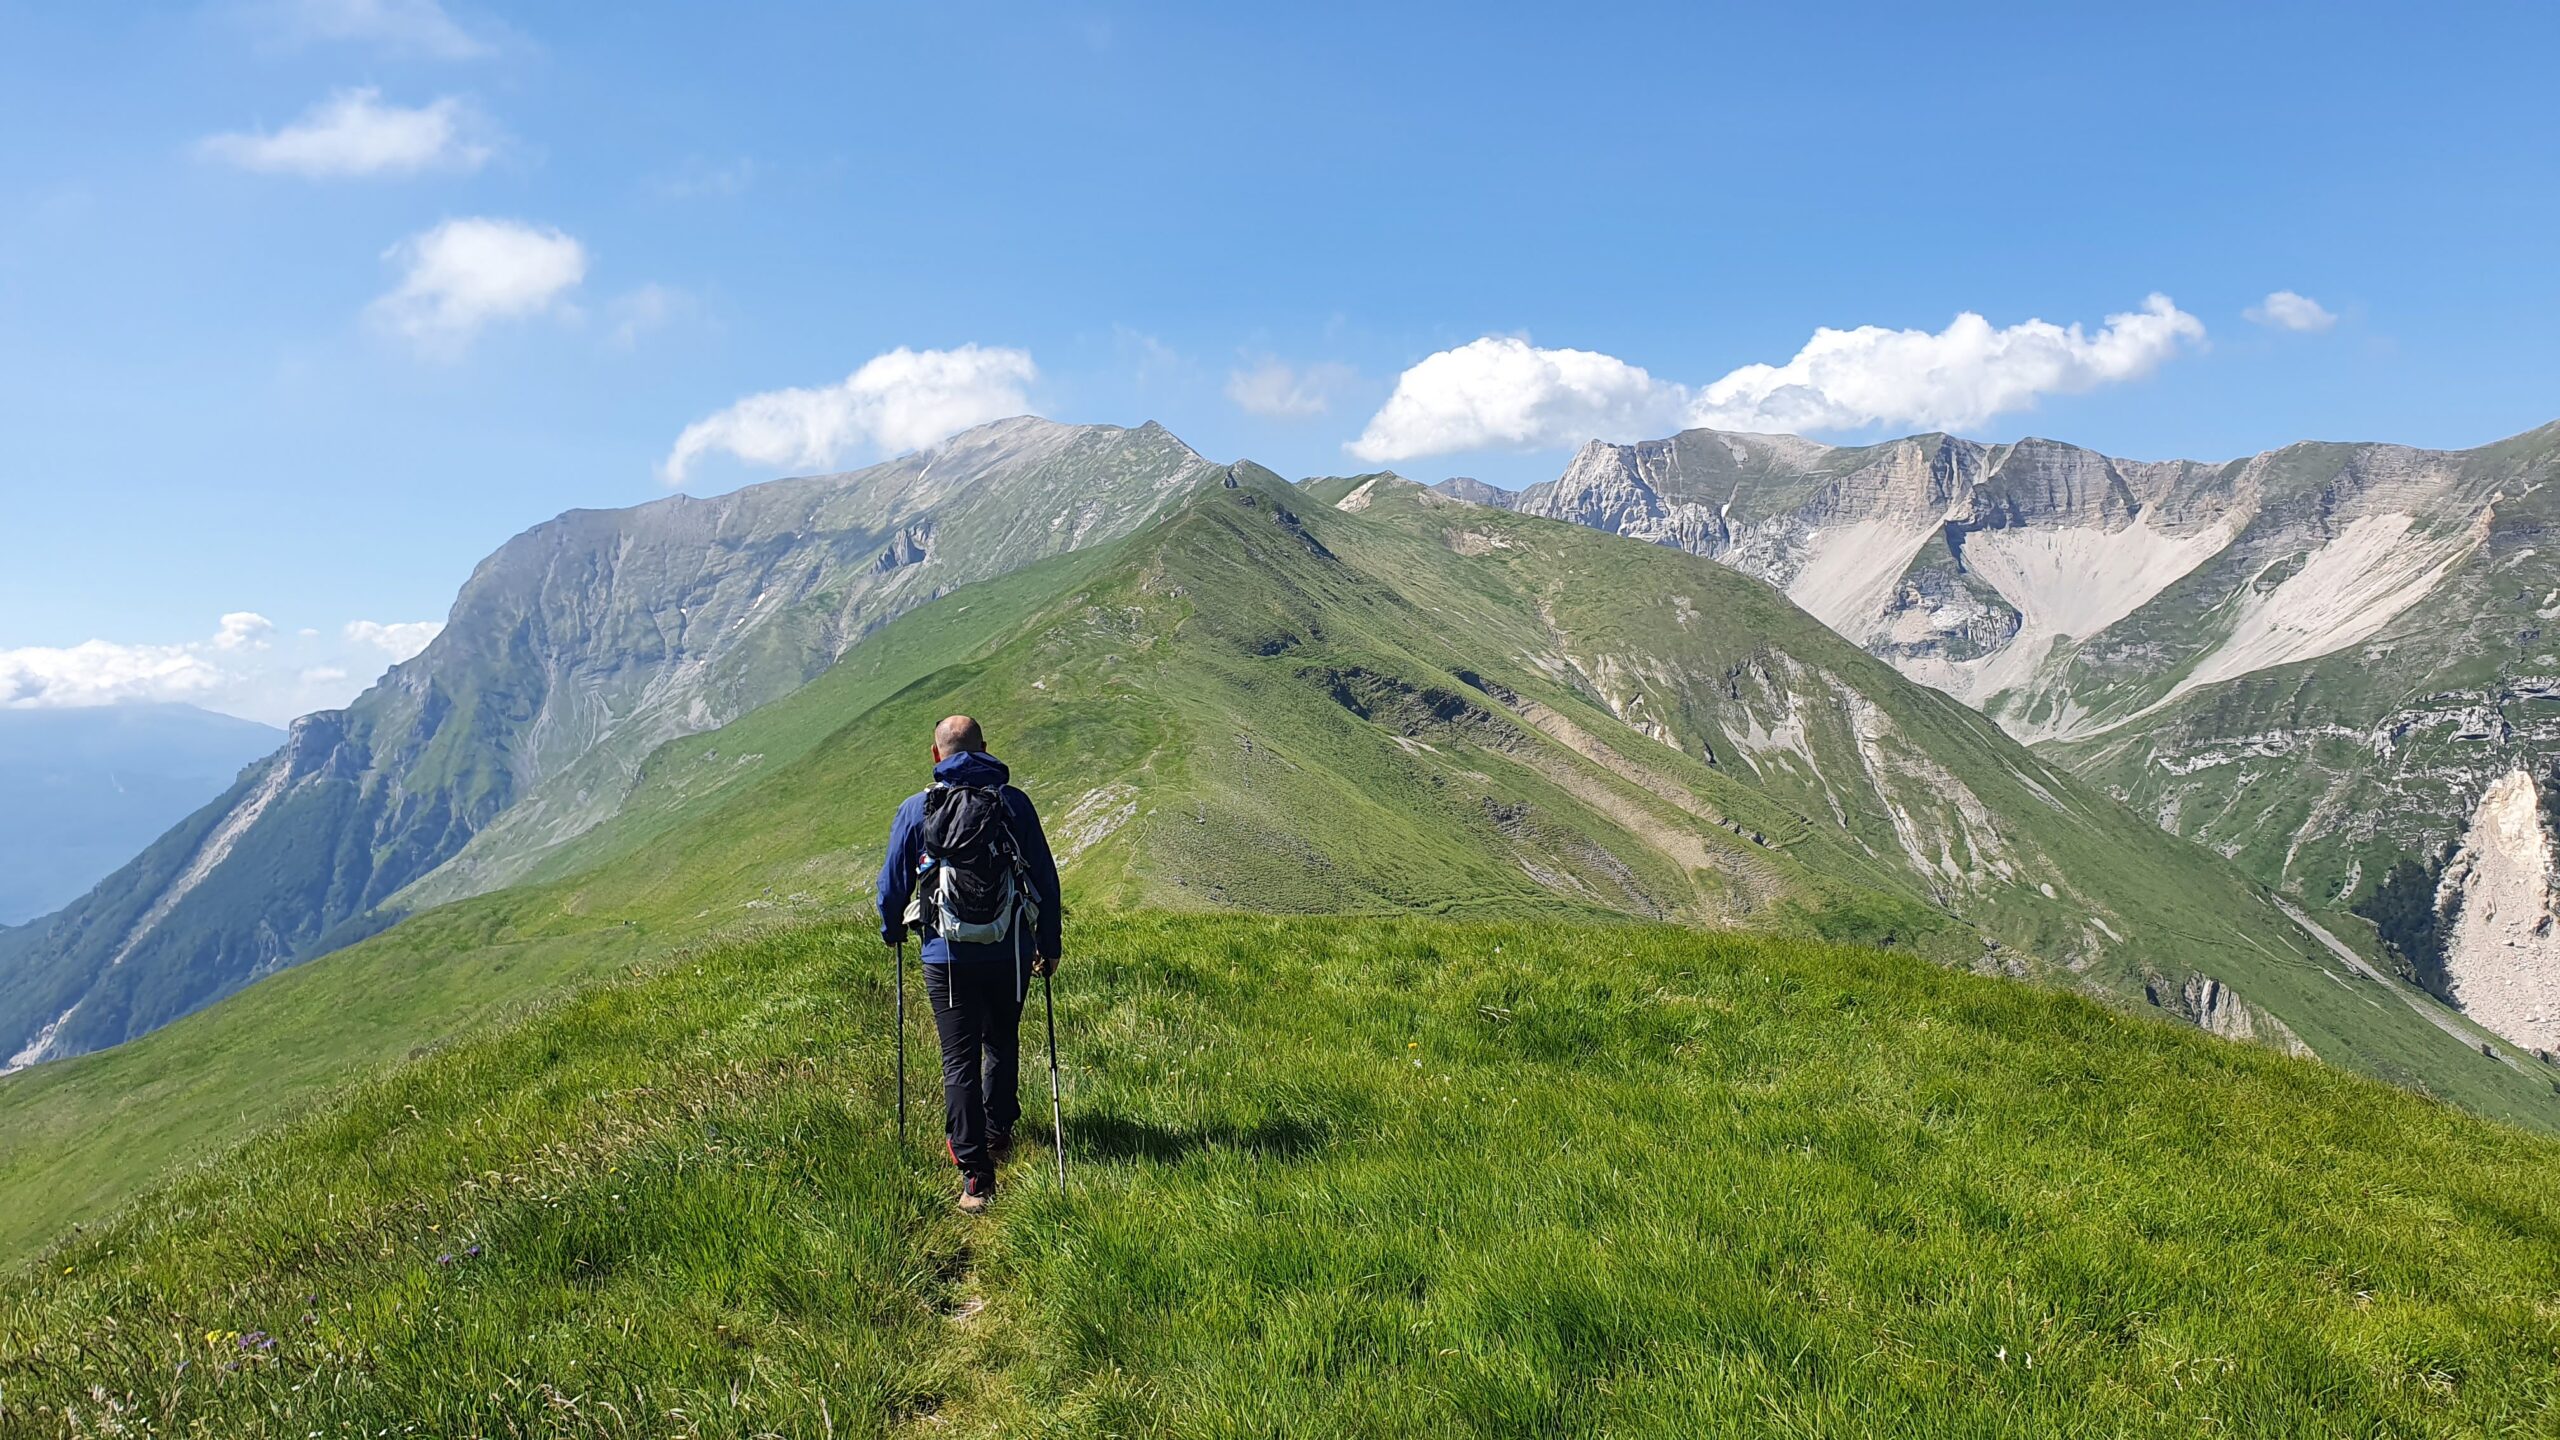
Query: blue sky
{"points": [[306, 305]]}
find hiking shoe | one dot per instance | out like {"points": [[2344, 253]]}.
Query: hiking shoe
{"points": [[1000, 1146], [974, 1195]]}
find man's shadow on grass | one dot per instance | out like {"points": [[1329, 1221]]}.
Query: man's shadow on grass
{"points": [[1113, 1136]]}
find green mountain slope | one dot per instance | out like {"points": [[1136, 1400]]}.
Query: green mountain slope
{"points": [[570, 654], [1425, 706], [1386, 1176], [1257, 703]]}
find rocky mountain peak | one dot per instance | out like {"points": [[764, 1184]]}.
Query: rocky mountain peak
{"points": [[570, 654], [1475, 492]]}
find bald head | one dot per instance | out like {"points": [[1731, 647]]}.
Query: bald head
{"points": [[956, 734]]}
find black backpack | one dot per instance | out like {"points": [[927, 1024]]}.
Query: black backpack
{"points": [[970, 887]]}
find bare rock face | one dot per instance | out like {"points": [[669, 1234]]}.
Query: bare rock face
{"points": [[2503, 955], [1911, 546], [1982, 569], [2313, 660], [2218, 1010], [2337, 690], [2215, 1008]]}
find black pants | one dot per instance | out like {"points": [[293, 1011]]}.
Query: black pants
{"points": [[978, 1011]]}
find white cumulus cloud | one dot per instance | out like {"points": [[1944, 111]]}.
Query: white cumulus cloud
{"points": [[1954, 379], [243, 630], [1502, 393], [353, 133], [409, 27], [899, 401], [400, 639], [2284, 310], [463, 274], [1282, 391]]}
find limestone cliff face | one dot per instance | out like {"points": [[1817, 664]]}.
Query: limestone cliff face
{"points": [[2502, 957], [570, 654], [2340, 686], [1473, 491], [1986, 569], [2312, 659]]}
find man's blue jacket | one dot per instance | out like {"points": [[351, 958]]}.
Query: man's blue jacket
{"points": [[906, 849]]}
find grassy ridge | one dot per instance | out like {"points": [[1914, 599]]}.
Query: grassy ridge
{"points": [[1337, 1177], [1213, 713]]}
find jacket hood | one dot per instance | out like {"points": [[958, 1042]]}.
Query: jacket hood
{"points": [[971, 767]]}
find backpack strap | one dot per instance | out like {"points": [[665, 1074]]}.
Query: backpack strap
{"points": [[1026, 894]]}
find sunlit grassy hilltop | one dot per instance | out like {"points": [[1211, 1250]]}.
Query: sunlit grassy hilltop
{"points": [[1336, 1177]]}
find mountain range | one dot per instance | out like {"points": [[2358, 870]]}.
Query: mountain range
{"points": [[1359, 694], [2330, 663], [570, 654], [1343, 696]]}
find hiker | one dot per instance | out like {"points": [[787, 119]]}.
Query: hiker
{"points": [[972, 846]]}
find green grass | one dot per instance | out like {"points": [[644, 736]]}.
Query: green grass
{"points": [[1335, 1176], [79, 1137]]}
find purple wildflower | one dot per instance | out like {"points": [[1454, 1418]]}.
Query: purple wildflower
{"points": [[444, 1259], [257, 1340], [473, 1252]]}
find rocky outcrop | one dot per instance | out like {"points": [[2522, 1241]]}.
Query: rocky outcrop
{"points": [[2216, 1008], [2502, 955], [2335, 693]]}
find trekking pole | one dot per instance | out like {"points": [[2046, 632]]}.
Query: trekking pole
{"points": [[902, 1040], [1057, 1116]]}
